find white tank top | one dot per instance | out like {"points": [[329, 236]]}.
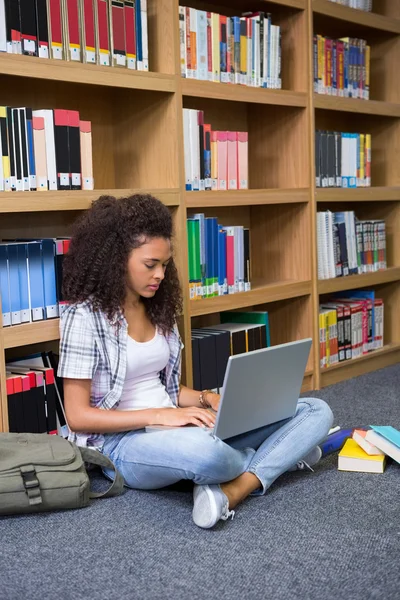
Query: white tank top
{"points": [[143, 388]]}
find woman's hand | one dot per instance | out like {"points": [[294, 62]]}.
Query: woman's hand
{"points": [[177, 417], [213, 399]]}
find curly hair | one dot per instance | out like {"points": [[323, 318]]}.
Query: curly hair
{"points": [[95, 267]]}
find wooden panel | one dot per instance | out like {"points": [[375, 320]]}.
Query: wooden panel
{"points": [[247, 197], [358, 17], [267, 293], [162, 20], [369, 194], [390, 294], [378, 359], [330, 286], [31, 333], [385, 59], [90, 75], [19, 202], [308, 382], [389, 8], [369, 107]]}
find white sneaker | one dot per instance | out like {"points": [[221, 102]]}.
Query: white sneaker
{"points": [[210, 505], [308, 461]]}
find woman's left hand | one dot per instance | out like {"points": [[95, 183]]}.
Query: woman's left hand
{"points": [[213, 399]]}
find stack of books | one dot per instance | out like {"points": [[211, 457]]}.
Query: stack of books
{"points": [[342, 159], [341, 67], [244, 50], [219, 258], [350, 326], [366, 450], [44, 150], [214, 160], [212, 346], [103, 32], [31, 280], [365, 5], [348, 246]]}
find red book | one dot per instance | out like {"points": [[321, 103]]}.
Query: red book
{"points": [[103, 32], [56, 38], [89, 46], [118, 33], [230, 259], [73, 33], [130, 34]]}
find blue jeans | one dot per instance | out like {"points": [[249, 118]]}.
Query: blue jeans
{"points": [[157, 459]]}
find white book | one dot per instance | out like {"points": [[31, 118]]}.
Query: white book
{"points": [[249, 51], [145, 41], [187, 144], [3, 27], [384, 445], [47, 115], [194, 148], [182, 39], [365, 444], [331, 242], [319, 245], [201, 46]]}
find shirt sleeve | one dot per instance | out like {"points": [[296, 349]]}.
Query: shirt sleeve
{"points": [[79, 355]]}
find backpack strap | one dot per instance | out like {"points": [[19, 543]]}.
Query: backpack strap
{"points": [[97, 458]]}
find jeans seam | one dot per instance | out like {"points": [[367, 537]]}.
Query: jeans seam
{"points": [[283, 437]]}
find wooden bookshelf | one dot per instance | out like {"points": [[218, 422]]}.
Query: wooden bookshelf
{"points": [[138, 146]]}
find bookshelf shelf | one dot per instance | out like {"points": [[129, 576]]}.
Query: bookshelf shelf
{"points": [[367, 107], [357, 17], [247, 197], [300, 4], [240, 93], [31, 333], [62, 70], [367, 194], [19, 202], [259, 295], [388, 355], [339, 284]]}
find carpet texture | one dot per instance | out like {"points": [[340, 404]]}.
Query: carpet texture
{"points": [[313, 536]]}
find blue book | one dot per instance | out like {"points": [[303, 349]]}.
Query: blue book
{"points": [[5, 287], [23, 280], [139, 47], [15, 301], [211, 256], [49, 278], [388, 432], [236, 47], [222, 275], [35, 278]]}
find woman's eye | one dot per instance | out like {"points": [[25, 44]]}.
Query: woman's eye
{"points": [[150, 266]]}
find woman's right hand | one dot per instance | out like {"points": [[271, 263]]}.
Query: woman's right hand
{"points": [[178, 417]]}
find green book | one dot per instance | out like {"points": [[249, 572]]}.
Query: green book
{"points": [[257, 317], [193, 234]]}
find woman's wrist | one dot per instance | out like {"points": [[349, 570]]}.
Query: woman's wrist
{"points": [[209, 399]]}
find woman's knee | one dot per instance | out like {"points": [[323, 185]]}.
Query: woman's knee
{"points": [[321, 410]]}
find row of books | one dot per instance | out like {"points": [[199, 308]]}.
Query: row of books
{"points": [[44, 150], [219, 258], [103, 32], [239, 332], [35, 396], [342, 159], [368, 449], [350, 325], [365, 5], [244, 50], [347, 246], [214, 160], [31, 280], [341, 67]]}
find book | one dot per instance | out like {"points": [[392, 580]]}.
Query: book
{"points": [[353, 458], [359, 435], [382, 438]]}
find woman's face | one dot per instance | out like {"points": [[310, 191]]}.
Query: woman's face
{"points": [[146, 267]]}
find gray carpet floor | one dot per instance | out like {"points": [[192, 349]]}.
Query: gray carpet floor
{"points": [[314, 536]]}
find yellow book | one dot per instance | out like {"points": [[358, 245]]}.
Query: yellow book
{"points": [[367, 160], [321, 64], [216, 63], [5, 184], [327, 344], [332, 336], [353, 458], [362, 160], [322, 340], [243, 50]]}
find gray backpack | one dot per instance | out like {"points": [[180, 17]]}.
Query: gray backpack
{"points": [[40, 472]]}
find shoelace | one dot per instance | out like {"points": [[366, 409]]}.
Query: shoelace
{"points": [[301, 465], [228, 513]]}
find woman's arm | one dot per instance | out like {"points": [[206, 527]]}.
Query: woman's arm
{"points": [[188, 397], [83, 417]]}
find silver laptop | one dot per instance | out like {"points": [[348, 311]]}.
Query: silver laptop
{"points": [[260, 388]]}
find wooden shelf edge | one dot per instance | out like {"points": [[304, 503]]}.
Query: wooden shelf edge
{"points": [[300, 4], [339, 284], [74, 72], [386, 356], [247, 197], [31, 333], [367, 107], [366, 194], [241, 93], [18, 202], [260, 295], [352, 15]]}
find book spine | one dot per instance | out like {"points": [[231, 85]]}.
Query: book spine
{"points": [[72, 29], [210, 75], [182, 40], [202, 61], [130, 34], [102, 33], [222, 148], [88, 21]]}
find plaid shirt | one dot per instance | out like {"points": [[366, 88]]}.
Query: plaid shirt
{"points": [[91, 347]]}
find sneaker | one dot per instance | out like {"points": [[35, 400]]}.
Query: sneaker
{"points": [[210, 505], [308, 461]]}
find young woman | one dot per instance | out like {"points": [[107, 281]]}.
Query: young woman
{"points": [[120, 358]]}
